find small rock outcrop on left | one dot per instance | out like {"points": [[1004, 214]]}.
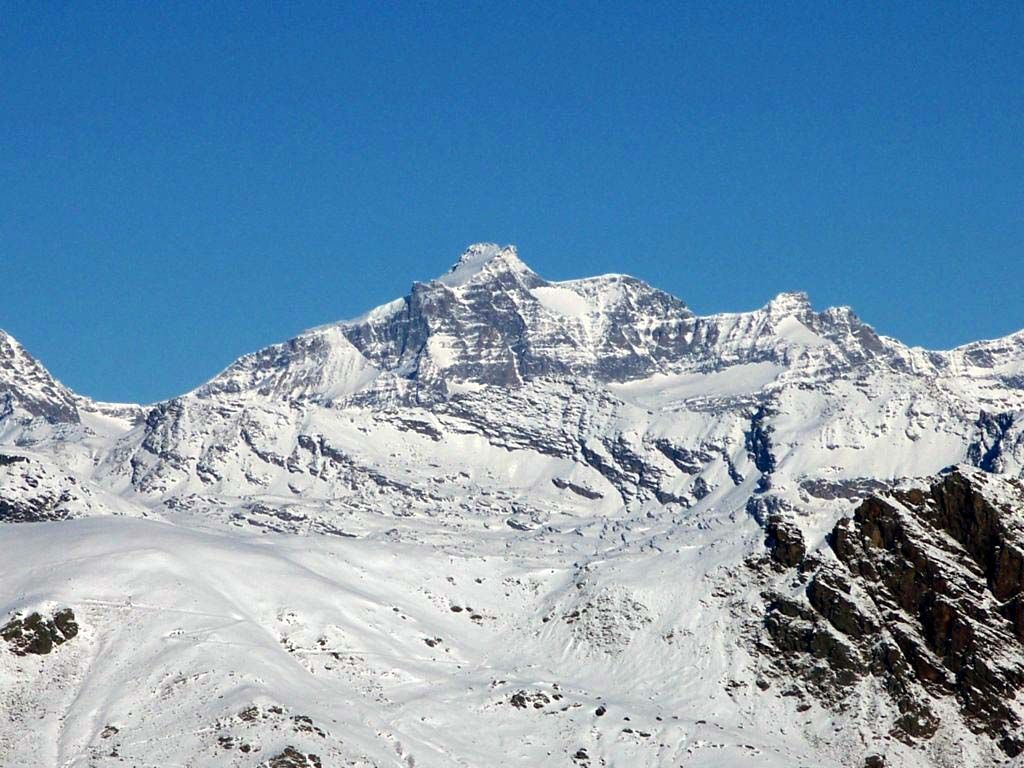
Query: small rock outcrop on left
{"points": [[37, 635]]}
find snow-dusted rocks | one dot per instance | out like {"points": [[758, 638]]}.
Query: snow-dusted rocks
{"points": [[508, 521], [492, 320], [321, 366], [37, 634], [917, 601], [27, 390]]}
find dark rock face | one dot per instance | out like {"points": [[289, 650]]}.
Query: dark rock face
{"points": [[784, 540], [993, 438], [926, 597], [759, 447], [38, 509], [795, 629], [290, 757], [33, 492], [37, 635], [579, 490]]}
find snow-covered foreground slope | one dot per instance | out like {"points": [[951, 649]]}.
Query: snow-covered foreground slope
{"points": [[400, 647], [504, 521]]}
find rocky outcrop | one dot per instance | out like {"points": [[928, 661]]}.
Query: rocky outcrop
{"points": [[290, 757], [579, 490], [43, 508], [36, 634], [924, 595], [987, 449], [34, 490], [759, 447], [784, 540]]}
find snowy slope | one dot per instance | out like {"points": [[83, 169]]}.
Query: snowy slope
{"points": [[454, 529]]}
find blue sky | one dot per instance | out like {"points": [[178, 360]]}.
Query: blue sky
{"points": [[183, 184]]}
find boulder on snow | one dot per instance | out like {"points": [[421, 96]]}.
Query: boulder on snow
{"points": [[37, 635]]}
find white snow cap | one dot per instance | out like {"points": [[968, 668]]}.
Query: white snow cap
{"points": [[791, 303], [479, 258]]}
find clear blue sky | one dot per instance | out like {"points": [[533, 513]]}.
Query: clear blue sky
{"points": [[181, 185]]}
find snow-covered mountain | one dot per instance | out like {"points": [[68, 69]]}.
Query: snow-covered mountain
{"points": [[507, 521], [28, 389]]}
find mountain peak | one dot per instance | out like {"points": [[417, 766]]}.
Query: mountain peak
{"points": [[25, 382], [789, 303], [13, 356], [7, 341], [483, 258]]}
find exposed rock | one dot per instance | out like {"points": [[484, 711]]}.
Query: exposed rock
{"points": [[827, 490], [290, 757], [798, 631], [42, 508], [527, 700], [759, 447], [986, 451], [829, 593], [38, 635], [579, 490], [784, 540], [929, 604]]}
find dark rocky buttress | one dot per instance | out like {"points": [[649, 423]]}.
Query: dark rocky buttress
{"points": [[924, 595]]}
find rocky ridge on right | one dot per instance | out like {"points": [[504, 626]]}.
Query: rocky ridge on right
{"points": [[919, 591]]}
